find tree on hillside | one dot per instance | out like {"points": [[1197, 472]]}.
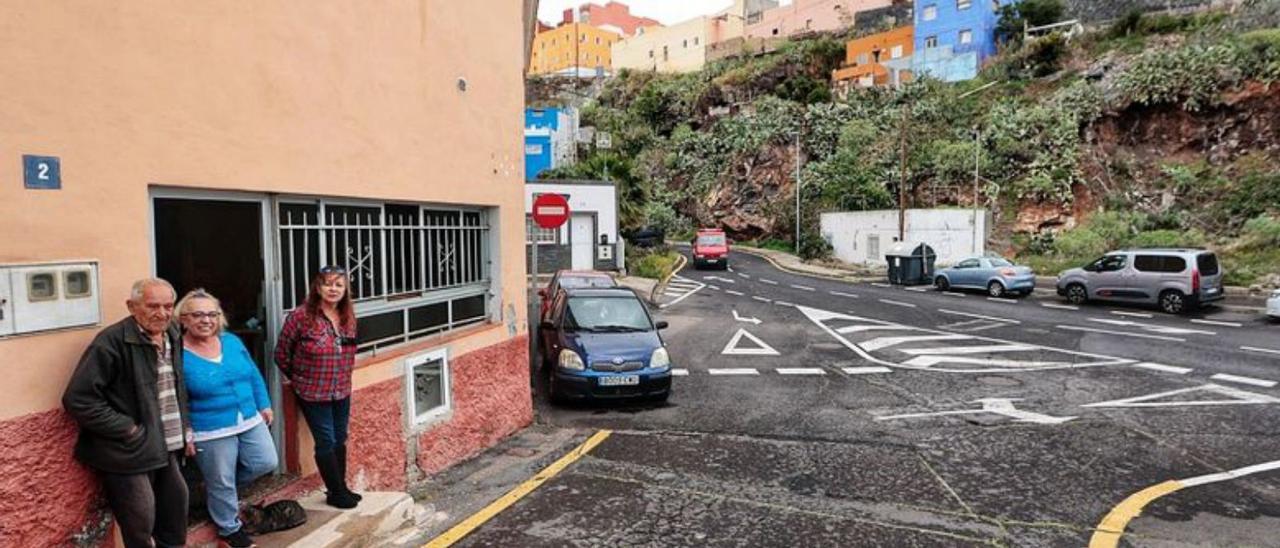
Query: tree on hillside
{"points": [[1028, 13]]}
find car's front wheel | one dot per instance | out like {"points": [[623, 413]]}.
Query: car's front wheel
{"points": [[995, 289], [941, 283], [1077, 294], [1173, 302]]}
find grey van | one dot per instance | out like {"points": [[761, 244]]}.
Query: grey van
{"points": [[1176, 280]]}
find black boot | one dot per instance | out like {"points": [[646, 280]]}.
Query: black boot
{"points": [[341, 452], [338, 497]]}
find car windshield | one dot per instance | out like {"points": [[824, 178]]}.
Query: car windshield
{"points": [[607, 314], [711, 239], [997, 261], [574, 282]]}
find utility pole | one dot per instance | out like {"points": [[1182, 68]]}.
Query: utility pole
{"points": [[977, 150], [797, 192], [902, 184]]}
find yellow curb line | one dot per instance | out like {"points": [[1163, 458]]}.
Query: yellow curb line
{"points": [[1108, 533], [494, 508], [681, 261], [779, 266]]}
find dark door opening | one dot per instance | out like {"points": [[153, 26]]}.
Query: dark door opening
{"points": [[217, 245]]}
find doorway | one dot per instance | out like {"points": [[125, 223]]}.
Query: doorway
{"points": [[582, 239]]}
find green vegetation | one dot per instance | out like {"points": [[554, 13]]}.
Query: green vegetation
{"points": [[656, 264], [1049, 123]]}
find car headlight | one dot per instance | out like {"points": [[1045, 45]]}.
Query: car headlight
{"points": [[571, 360], [660, 359]]}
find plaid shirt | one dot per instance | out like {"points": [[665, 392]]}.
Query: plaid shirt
{"points": [[311, 354]]}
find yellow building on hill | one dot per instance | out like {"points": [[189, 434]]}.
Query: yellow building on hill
{"points": [[573, 48]]}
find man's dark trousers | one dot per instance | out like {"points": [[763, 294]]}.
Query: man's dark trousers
{"points": [[150, 504]]}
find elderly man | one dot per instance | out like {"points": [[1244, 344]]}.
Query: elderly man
{"points": [[128, 397]]}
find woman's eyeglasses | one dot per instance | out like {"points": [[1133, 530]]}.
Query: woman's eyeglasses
{"points": [[333, 270], [203, 315]]}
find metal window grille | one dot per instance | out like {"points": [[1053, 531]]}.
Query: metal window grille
{"points": [[544, 235], [414, 270]]}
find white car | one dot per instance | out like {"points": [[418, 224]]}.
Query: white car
{"points": [[1273, 305]]}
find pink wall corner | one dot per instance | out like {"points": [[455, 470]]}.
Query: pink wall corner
{"points": [[376, 444], [47, 498], [491, 400]]}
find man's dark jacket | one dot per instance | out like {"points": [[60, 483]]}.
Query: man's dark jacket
{"points": [[113, 389]]}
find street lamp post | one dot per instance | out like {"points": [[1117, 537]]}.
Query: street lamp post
{"points": [[797, 193], [977, 150]]}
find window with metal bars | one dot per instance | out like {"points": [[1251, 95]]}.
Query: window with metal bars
{"points": [[414, 270]]}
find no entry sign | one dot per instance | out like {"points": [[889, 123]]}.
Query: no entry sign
{"points": [[550, 210]]}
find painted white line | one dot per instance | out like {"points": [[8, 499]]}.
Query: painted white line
{"points": [[761, 299], [1165, 368], [681, 298], [783, 303], [679, 372], [1256, 349], [672, 293], [897, 303], [885, 342], [979, 316], [801, 371], [1002, 300], [1216, 322], [733, 371], [766, 281], [802, 287], [1163, 329], [741, 275], [1178, 398], [841, 294], [920, 289], [1060, 306], [1132, 314], [954, 294], [715, 287], [1231, 474], [860, 328], [732, 292], [881, 285], [950, 350], [866, 370], [1243, 380], [1120, 333], [928, 361]]}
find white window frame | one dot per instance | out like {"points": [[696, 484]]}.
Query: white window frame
{"points": [[419, 420], [965, 37], [962, 5], [546, 236], [895, 52], [929, 13]]}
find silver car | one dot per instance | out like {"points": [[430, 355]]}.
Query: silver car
{"points": [[1273, 305], [1176, 280], [995, 275]]}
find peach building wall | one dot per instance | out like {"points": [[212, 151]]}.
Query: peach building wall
{"points": [[810, 15]]}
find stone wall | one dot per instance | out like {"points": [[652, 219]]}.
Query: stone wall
{"points": [[1092, 11], [550, 258], [50, 498]]}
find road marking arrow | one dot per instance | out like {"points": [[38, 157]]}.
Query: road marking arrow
{"points": [[755, 321]]}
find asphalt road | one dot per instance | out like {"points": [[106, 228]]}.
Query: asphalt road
{"points": [[811, 412]]}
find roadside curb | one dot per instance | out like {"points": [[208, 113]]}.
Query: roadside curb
{"points": [[843, 278], [662, 284]]}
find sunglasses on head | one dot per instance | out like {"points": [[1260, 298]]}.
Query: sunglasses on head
{"points": [[333, 270]]}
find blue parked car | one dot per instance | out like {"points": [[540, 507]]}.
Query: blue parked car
{"points": [[602, 344], [997, 276]]}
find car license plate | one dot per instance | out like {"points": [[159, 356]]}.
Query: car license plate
{"points": [[622, 380], [713, 260]]}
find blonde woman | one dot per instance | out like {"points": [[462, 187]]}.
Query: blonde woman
{"points": [[230, 411]]}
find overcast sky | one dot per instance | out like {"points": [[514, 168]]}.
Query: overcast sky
{"points": [[666, 11]]}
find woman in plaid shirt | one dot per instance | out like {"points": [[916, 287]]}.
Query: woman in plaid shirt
{"points": [[316, 352]]}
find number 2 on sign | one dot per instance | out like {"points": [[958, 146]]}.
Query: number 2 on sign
{"points": [[43, 171]]}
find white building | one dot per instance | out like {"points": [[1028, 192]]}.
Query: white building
{"points": [[863, 237], [589, 239]]}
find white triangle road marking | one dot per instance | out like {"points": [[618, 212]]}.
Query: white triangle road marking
{"points": [[762, 348], [1235, 395], [885, 342]]}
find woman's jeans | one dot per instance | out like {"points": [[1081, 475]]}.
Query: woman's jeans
{"points": [[328, 423], [233, 461]]}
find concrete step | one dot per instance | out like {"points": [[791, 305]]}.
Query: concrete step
{"points": [[379, 515]]}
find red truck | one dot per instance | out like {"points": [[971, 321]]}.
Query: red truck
{"points": [[710, 249]]}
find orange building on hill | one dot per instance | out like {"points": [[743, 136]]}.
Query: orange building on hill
{"points": [[865, 59], [573, 48], [613, 16]]}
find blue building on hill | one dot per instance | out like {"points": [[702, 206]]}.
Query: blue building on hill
{"points": [[954, 37], [548, 139]]}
